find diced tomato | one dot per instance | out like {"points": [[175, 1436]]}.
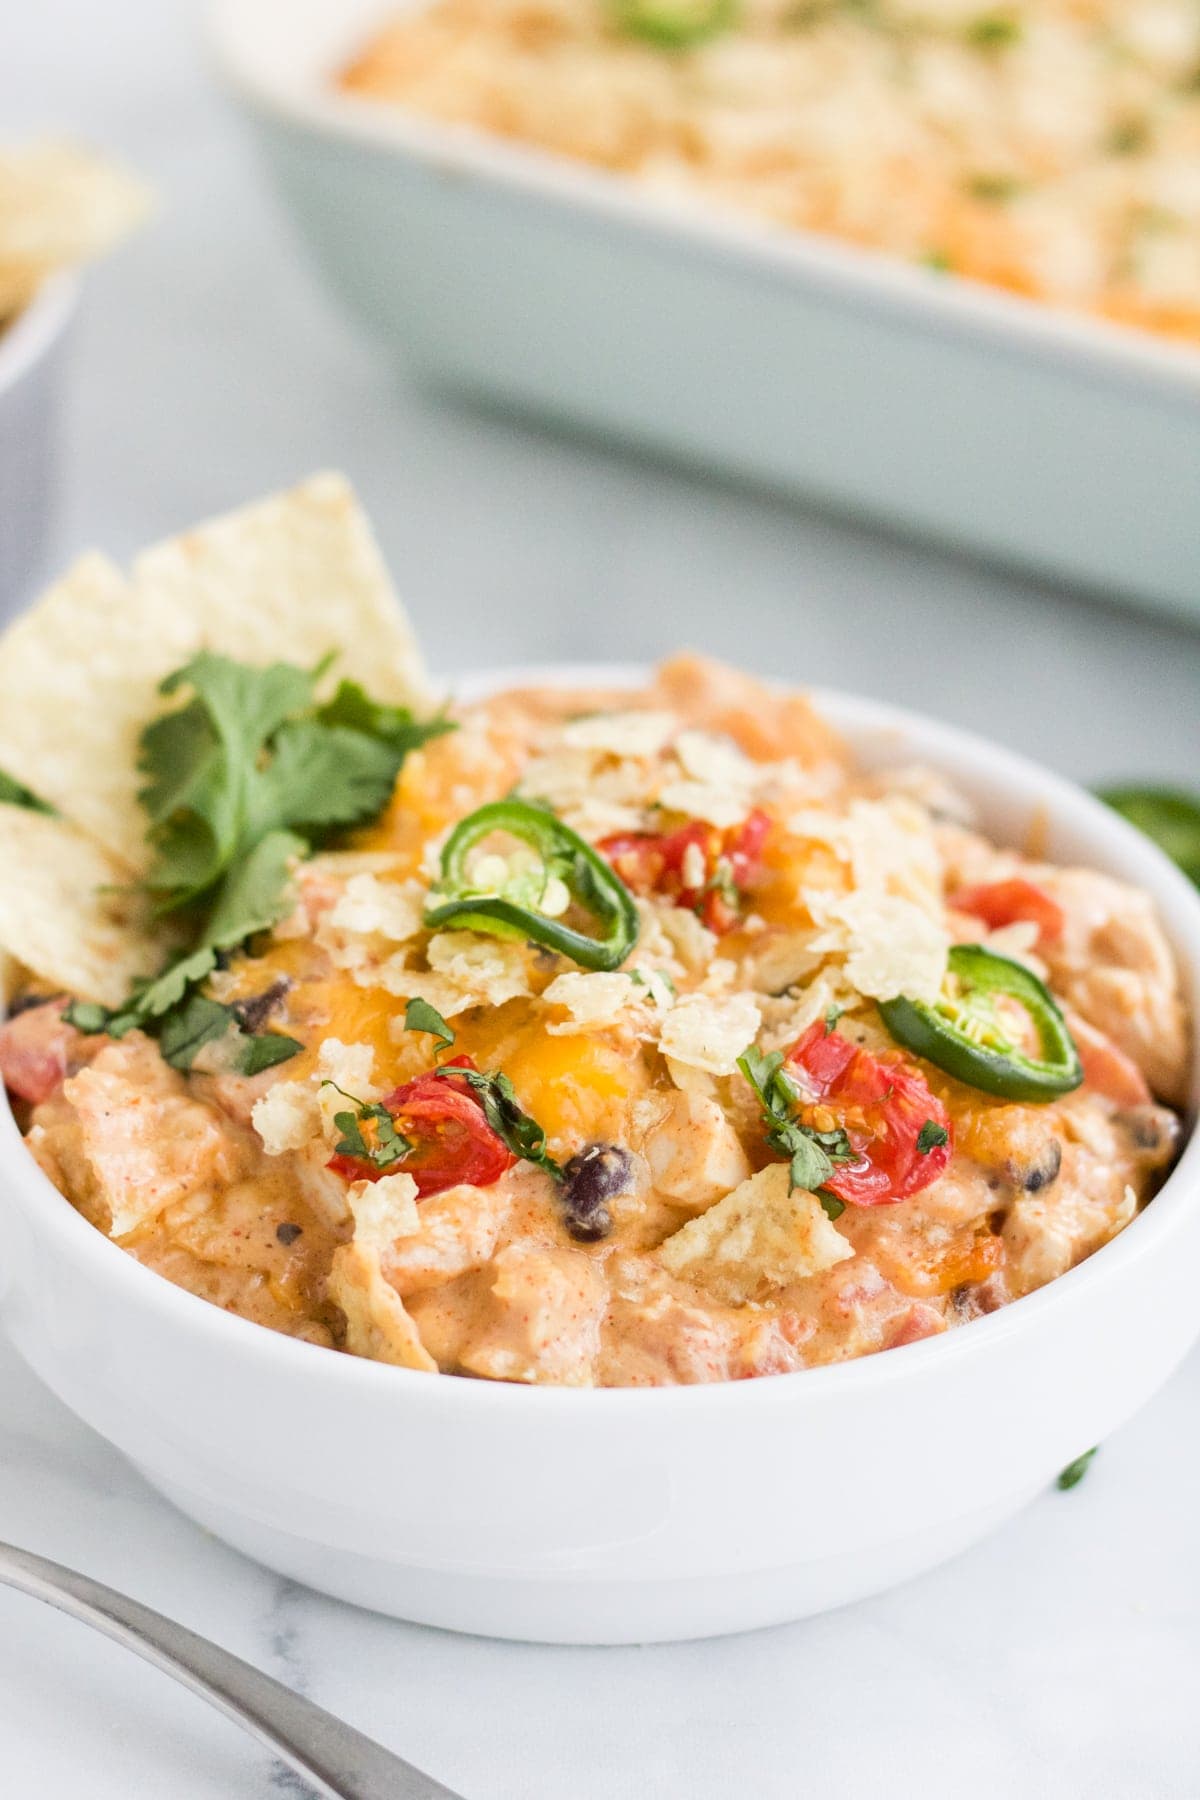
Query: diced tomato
{"points": [[452, 1142], [660, 864], [33, 1051], [882, 1104], [1000, 903]]}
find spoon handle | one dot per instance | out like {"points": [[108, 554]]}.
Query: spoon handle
{"points": [[339, 1762]]}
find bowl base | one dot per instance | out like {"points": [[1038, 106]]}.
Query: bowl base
{"points": [[554, 1608]]}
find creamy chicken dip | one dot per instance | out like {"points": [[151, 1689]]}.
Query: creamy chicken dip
{"points": [[1050, 147], [573, 1037]]}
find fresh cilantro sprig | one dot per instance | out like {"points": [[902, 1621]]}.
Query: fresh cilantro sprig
{"points": [[243, 779], [385, 1148], [517, 1130], [812, 1155]]}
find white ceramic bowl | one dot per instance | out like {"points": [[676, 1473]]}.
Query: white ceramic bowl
{"points": [[617, 1516], [32, 354], [1060, 443]]}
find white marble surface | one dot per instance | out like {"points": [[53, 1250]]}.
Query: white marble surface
{"points": [[1060, 1659]]}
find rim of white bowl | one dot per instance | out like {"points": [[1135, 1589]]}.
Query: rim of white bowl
{"points": [[36, 328], [943, 745], [260, 49]]}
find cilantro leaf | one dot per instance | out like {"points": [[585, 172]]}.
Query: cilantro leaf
{"points": [[253, 895], [319, 776], [812, 1155], [394, 726], [931, 1137], [15, 793], [386, 1147], [1074, 1472], [243, 777], [517, 1131], [420, 1016]]}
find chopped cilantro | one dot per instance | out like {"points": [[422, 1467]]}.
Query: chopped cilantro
{"points": [[993, 31], [519, 1133], [812, 1155], [1074, 1472], [832, 1015], [15, 793], [931, 1137], [384, 1148], [420, 1016]]}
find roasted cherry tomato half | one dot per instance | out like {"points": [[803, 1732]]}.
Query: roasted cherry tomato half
{"points": [[1000, 903], [451, 1141], [666, 864], [898, 1126]]}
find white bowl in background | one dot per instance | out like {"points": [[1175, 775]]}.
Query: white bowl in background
{"points": [[1059, 443], [32, 354], [628, 1515]]}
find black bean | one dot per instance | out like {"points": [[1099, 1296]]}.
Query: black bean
{"points": [[1041, 1172], [1144, 1126], [252, 1014], [593, 1177], [26, 1002], [287, 1234]]}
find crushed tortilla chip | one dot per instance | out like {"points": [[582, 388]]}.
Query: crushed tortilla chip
{"points": [[287, 579], [66, 913], [60, 205], [758, 1237]]}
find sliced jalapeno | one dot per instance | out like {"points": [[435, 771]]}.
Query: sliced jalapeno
{"points": [[525, 899], [965, 1032]]}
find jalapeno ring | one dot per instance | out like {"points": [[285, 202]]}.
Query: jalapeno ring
{"points": [[981, 1060], [589, 880]]}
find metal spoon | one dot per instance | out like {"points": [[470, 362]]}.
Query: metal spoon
{"points": [[340, 1763]]}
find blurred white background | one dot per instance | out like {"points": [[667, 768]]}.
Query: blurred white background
{"points": [[1060, 1659]]}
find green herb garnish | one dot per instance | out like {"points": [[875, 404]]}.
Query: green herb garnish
{"points": [[386, 1146], [244, 779], [674, 24], [931, 1137], [520, 1134], [1074, 1472], [812, 1155], [993, 31], [15, 793], [420, 1016]]}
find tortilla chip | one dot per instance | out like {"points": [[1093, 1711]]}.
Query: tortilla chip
{"points": [[60, 205], [288, 579], [55, 918], [377, 1323]]}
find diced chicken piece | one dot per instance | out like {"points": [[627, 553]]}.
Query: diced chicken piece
{"points": [[694, 1153], [377, 1324], [1114, 966], [757, 1238], [459, 1231], [1106, 1157], [35, 1051], [664, 1341], [920, 1321], [140, 1142], [542, 1318]]}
